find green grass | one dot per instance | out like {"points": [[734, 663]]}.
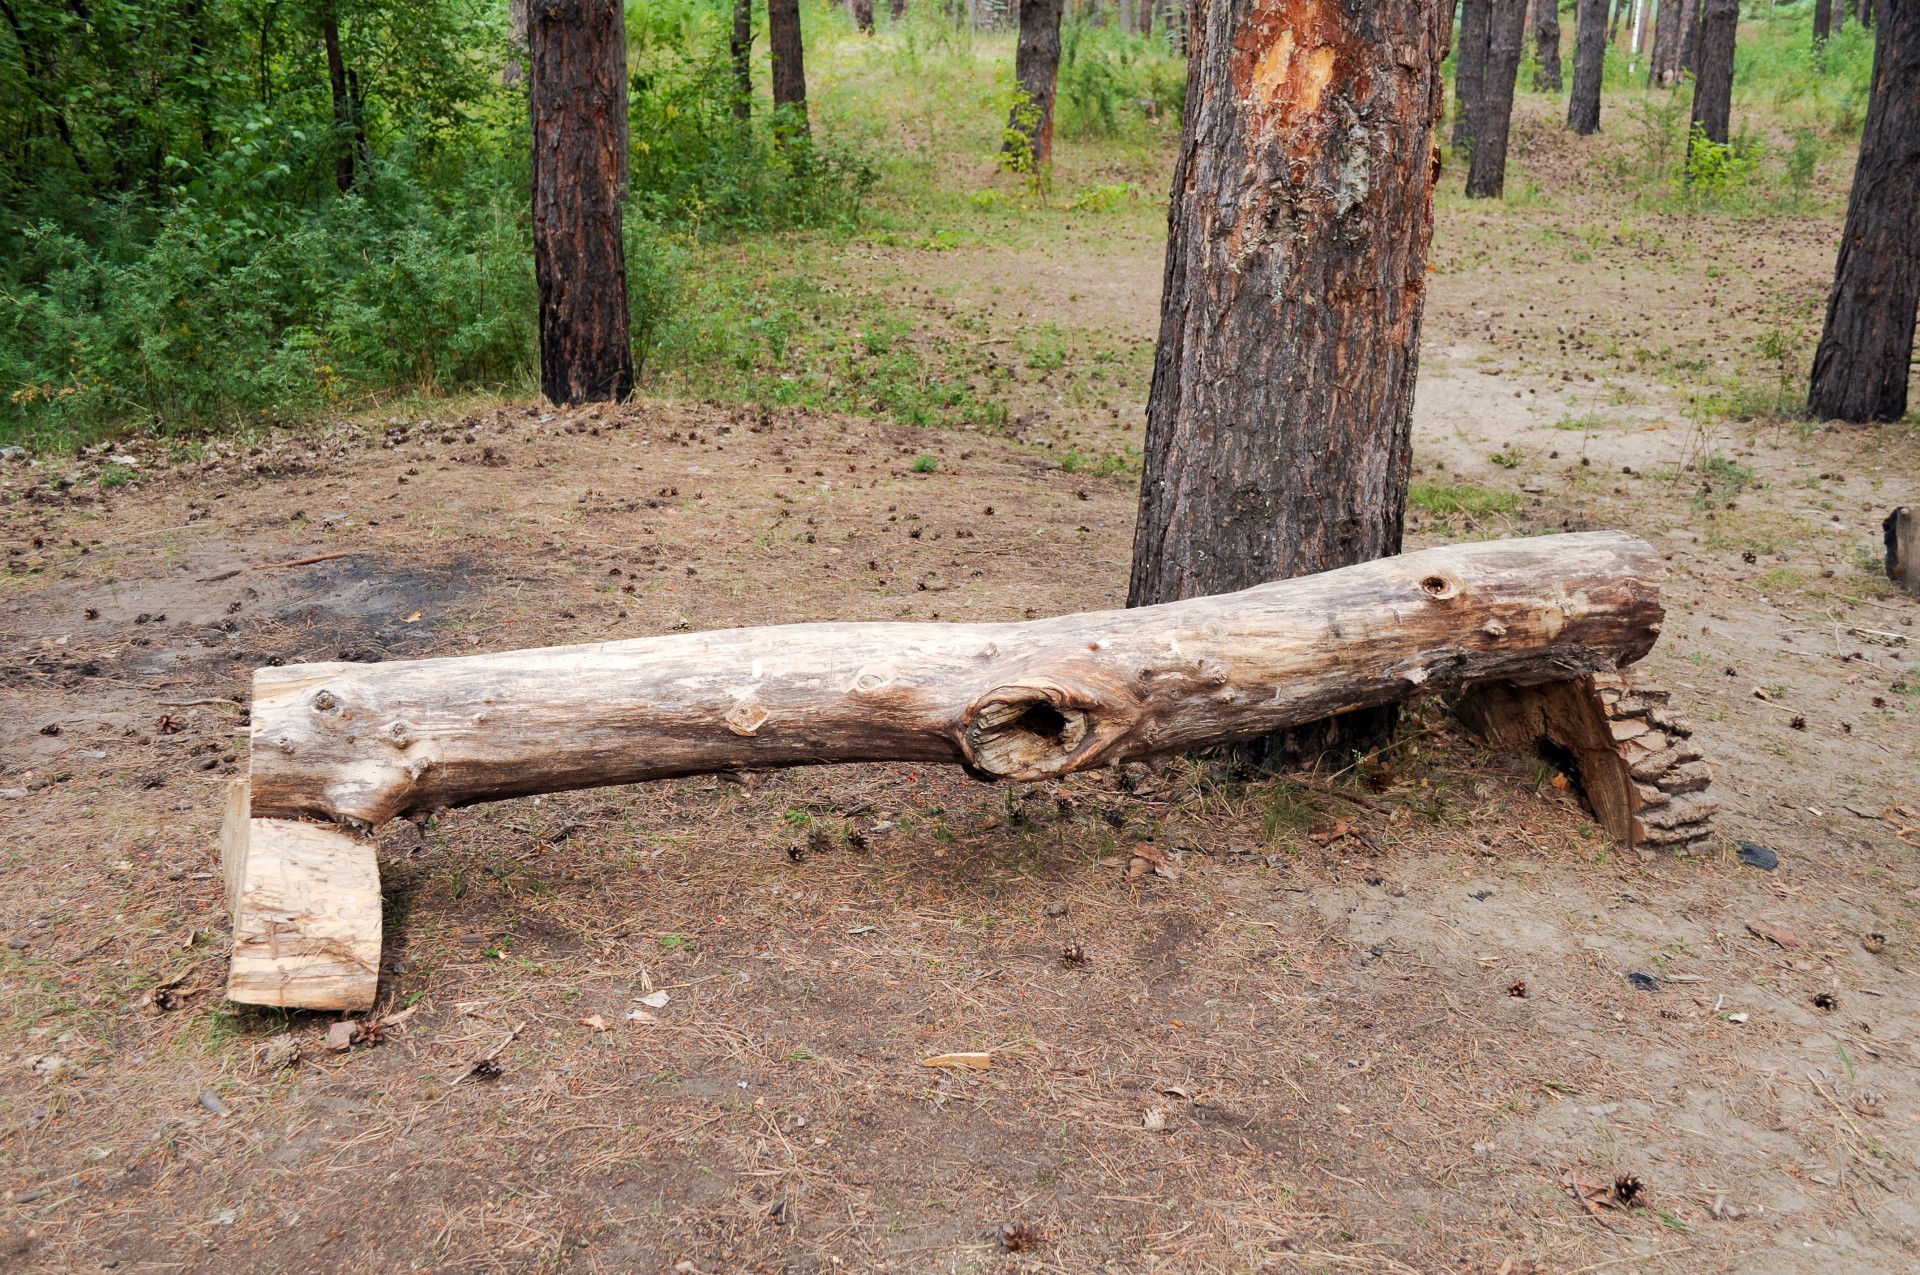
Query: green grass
{"points": [[1448, 499]]}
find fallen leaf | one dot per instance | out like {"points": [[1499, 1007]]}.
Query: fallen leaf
{"points": [[340, 1035], [596, 1022], [1326, 836], [1775, 933], [656, 1000], [640, 1016], [969, 1061]]}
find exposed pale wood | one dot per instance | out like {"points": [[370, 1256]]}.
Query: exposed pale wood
{"points": [[305, 900], [1903, 548], [1634, 759], [363, 743]]}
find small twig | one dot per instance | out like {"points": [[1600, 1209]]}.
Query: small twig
{"points": [[291, 562], [1314, 785], [196, 703]]}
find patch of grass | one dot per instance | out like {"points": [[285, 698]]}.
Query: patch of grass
{"points": [[1443, 499], [924, 464]]}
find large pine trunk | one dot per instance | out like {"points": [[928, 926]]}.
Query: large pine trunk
{"points": [[1036, 65], [740, 52], [1713, 78], [1663, 68], [1279, 420], [1506, 31], [1862, 367], [577, 55], [789, 67], [1469, 68], [1589, 64], [1546, 46]]}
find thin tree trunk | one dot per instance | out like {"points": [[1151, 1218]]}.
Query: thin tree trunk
{"points": [[1613, 20], [1822, 22], [1689, 38], [1863, 12], [1546, 46], [740, 51], [577, 94], [1506, 32], [1589, 64], [1840, 17], [1664, 66], [343, 129], [1279, 421], [899, 9], [1469, 68], [862, 11], [1036, 65], [789, 68], [1713, 80], [1862, 366]]}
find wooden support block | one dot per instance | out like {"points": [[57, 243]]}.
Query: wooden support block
{"points": [[305, 900], [1902, 528]]}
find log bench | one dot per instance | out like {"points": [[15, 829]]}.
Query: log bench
{"points": [[1532, 632]]}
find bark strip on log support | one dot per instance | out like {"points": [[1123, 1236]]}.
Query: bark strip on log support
{"points": [[358, 744]]}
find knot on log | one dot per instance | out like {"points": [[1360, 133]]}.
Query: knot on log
{"points": [[1040, 728]]}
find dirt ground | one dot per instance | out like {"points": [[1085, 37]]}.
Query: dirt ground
{"points": [[1378, 1023]]}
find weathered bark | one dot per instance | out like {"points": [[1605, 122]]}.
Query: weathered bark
{"points": [[1902, 530], [740, 52], [577, 94], [1469, 68], [1487, 173], [1546, 46], [1822, 22], [363, 743], [1862, 366], [862, 12], [1713, 77], [1663, 66], [1589, 64], [789, 68], [1036, 66], [1689, 37], [1840, 17], [346, 134], [1632, 756], [1278, 425]]}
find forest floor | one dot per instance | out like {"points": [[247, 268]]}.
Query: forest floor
{"points": [[1378, 1024]]}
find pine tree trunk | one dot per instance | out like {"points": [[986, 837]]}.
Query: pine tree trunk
{"points": [[1689, 37], [1279, 420], [740, 52], [1036, 65], [343, 128], [1506, 32], [899, 9], [1546, 46], [1862, 367], [1840, 17], [577, 94], [789, 68], [1589, 64], [1469, 68], [1822, 22], [1663, 68], [1713, 79], [862, 11]]}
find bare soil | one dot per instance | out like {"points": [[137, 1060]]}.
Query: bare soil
{"points": [[1382, 1021]]}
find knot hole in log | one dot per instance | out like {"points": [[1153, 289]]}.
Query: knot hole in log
{"points": [[1440, 588], [1024, 733]]}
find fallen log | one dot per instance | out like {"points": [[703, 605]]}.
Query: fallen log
{"points": [[358, 744]]}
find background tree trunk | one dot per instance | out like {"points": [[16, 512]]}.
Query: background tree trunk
{"points": [[899, 9], [1840, 17], [862, 11], [577, 53], [1546, 45], [1036, 65], [1469, 68], [1862, 367], [1589, 63], [1664, 65], [1493, 117], [740, 50], [1713, 79], [1279, 420], [344, 133], [1689, 37], [789, 68], [1822, 21]]}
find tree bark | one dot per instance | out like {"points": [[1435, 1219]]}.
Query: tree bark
{"points": [[1663, 67], [1546, 46], [364, 743], [789, 68], [1487, 172], [1902, 532], [345, 134], [1036, 67], [1713, 79], [1589, 65], [862, 11], [577, 94], [1689, 38], [1822, 22], [1469, 68], [740, 52], [899, 9], [1862, 366]]}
